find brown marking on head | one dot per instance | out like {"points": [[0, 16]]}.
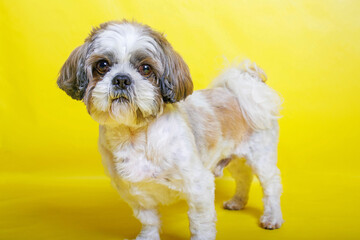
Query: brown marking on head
{"points": [[94, 77], [72, 77], [176, 83], [139, 58]]}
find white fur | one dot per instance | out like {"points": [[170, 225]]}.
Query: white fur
{"points": [[122, 40], [168, 157], [165, 155]]}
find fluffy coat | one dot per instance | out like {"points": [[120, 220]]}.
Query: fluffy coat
{"points": [[159, 142]]}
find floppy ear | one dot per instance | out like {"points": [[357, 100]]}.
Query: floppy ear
{"points": [[175, 83], [72, 78]]}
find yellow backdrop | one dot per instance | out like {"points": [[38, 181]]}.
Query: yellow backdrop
{"points": [[52, 184]]}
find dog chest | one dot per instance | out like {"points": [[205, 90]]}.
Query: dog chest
{"points": [[127, 155]]}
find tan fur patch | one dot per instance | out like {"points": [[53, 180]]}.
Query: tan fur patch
{"points": [[204, 125], [228, 113]]}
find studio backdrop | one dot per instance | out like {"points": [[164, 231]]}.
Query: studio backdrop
{"points": [[52, 182]]}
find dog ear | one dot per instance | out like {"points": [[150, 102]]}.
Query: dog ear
{"points": [[72, 77], [175, 83]]}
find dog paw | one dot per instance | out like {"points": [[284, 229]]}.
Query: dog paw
{"points": [[234, 204], [271, 222]]}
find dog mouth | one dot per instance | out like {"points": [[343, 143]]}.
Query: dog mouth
{"points": [[121, 100], [120, 97]]}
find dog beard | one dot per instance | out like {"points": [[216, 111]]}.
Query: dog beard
{"points": [[132, 107], [123, 110]]}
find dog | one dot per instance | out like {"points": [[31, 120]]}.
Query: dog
{"points": [[159, 141]]}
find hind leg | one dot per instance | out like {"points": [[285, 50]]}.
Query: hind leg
{"points": [[243, 176], [262, 158], [271, 184]]}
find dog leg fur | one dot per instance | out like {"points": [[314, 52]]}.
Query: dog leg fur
{"points": [[243, 176], [202, 215], [262, 158]]}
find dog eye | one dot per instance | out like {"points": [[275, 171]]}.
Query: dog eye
{"points": [[145, 70], [102, 66]]}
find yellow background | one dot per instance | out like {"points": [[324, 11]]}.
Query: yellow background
{"points": [[52, 184]]}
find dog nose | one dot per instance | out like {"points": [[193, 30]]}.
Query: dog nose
{"points": [[121, 81]]}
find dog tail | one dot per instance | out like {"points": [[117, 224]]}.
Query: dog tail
{"points": [[259, 103]]}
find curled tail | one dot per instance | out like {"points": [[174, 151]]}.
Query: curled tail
{"points": [[259, 103]]}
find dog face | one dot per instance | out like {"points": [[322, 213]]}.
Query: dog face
{"points": [[125, 72]]}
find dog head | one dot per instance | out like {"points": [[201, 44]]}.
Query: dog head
{"points": [[125, 73]]}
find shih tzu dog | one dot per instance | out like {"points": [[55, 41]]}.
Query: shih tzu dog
{"points": [[159, 141]]}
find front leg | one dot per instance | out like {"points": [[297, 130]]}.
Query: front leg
{"points": [[150, 221], [144, 207], [200, 197]]}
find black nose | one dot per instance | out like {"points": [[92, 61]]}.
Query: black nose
{"points": [[121, 81]]}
